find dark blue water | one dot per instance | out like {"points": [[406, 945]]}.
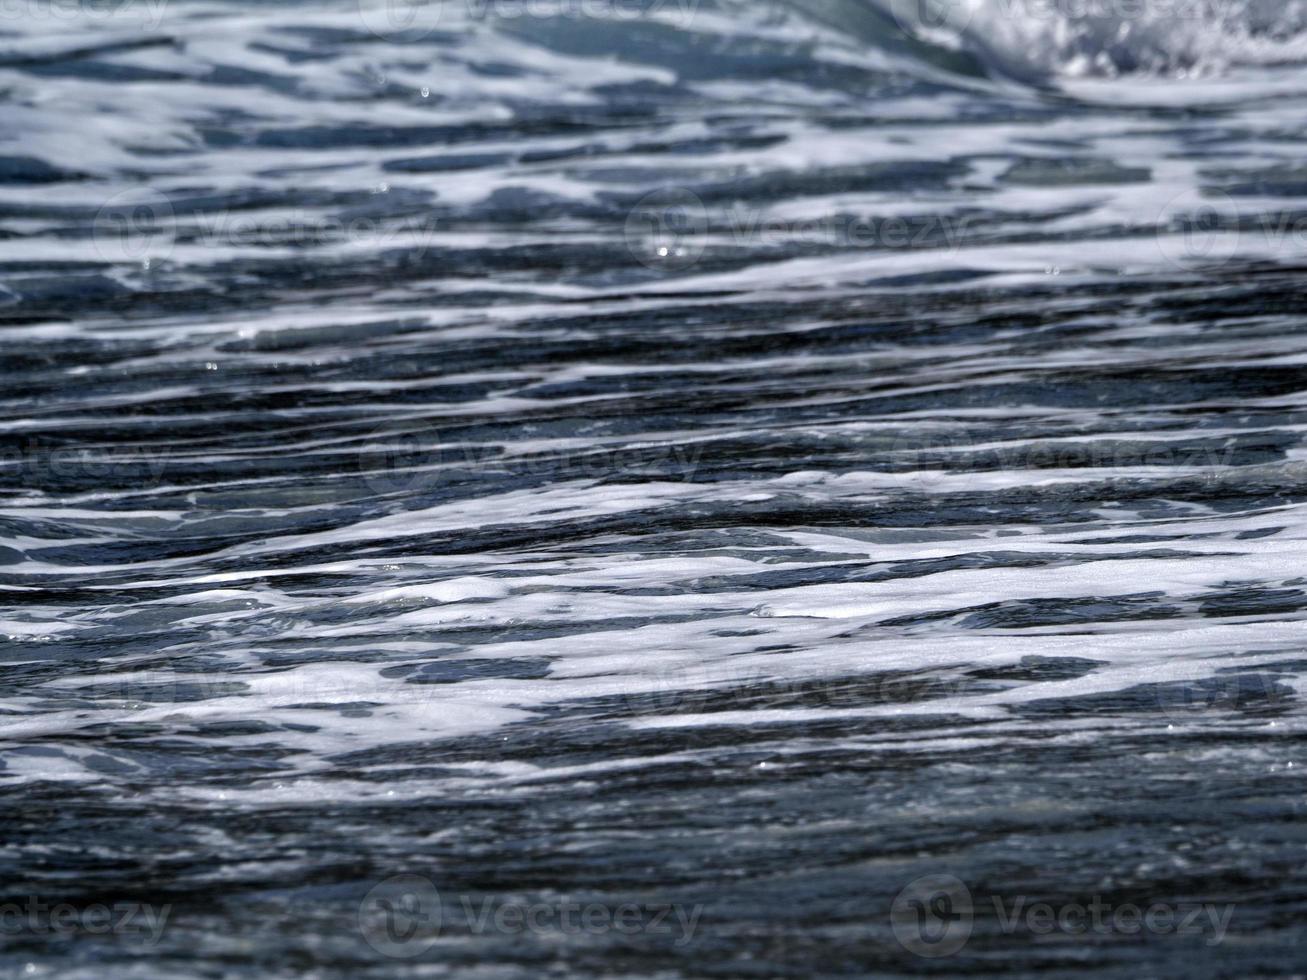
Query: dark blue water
{"points": [[663, 490]]}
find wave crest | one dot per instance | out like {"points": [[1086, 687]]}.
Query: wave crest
{"points": [[1106, 38]]}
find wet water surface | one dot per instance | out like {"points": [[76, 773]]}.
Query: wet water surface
{"points": [[702, 490]]}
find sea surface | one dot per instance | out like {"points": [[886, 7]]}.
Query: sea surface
{"points": [[653, 488]]}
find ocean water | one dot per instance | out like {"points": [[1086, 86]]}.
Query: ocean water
{"points": [[652, 488]]}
